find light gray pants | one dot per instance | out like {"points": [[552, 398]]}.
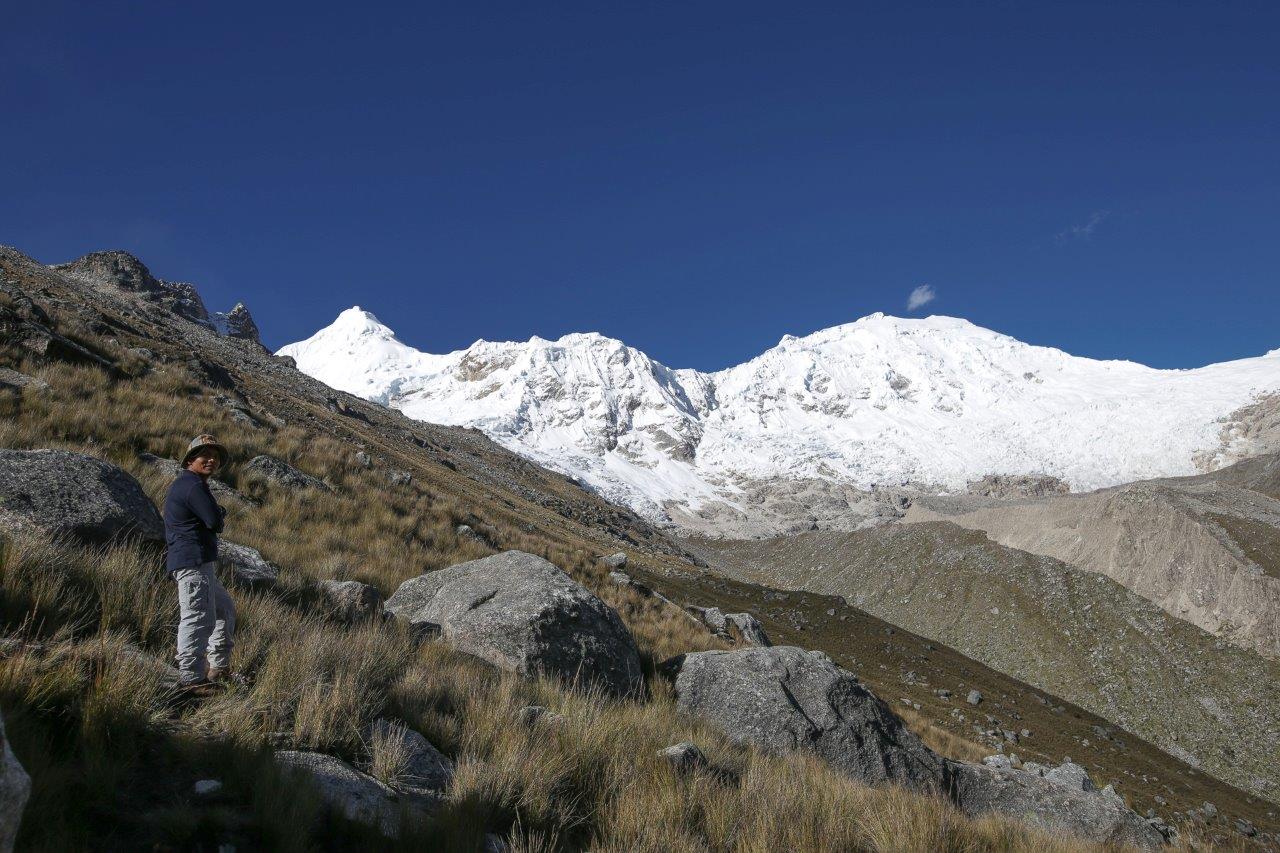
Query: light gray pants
{"points": [[206, 622]]}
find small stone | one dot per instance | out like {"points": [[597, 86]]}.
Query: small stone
{"points": [[614, 561], [206, 787], [974, 697], [684, 757], [352, 600], [364, 460], [620, 578], [533, 715], [1025, 733]]}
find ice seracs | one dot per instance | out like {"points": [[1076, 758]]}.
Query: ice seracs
{"points": [[936, 402]]}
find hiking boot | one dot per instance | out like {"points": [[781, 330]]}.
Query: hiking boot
{"points": [[222, 675], [201, 689]]}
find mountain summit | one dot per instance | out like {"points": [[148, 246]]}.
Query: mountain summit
{"points": [[883, 402]]}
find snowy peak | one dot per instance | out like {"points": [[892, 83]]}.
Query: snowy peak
{"points": [[934, 402]]}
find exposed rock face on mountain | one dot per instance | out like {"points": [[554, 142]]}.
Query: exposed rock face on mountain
{"points": [[523, 614], [122, 270], [1081, 636], [71, 494], [236, 323], [998, 486], [932, 403], [785, 698], [1252, 430]]}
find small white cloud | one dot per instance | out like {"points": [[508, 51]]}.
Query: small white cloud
{"points": [[1084, 230], [922, 295]]}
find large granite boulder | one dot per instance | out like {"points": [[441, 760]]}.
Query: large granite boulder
{"points": [[784, 698], [746, 629], [282, 474], [15, 381], [15, 787], [425, 768], [72, 494], [523, 614], [352, 601], [1097, 816], [247, 564], [352, 794]]}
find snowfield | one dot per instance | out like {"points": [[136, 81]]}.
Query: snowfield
{"points": [[934, 403]]}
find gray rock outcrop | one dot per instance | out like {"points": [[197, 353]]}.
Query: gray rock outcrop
{"points": [[124, 271], [746, 629], [784, 698], [352, 600], [1055, 807], [614, 561], [282, 474], [425, 767], [16, 381], [15, 788], [354, 795], [72, 494], [1012, 486], [247, 564], [522, 614], [712, 617], [236, 323]]}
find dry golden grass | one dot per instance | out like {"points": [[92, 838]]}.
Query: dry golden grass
{"points": [[88, 712], [940, 740]]}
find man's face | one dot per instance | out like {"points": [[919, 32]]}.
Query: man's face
{"points": [[204, 463]]}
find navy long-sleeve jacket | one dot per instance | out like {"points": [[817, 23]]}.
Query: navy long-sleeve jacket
{"points": [[192, 522]]}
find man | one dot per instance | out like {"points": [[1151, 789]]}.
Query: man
{"points": [[192, 522]]}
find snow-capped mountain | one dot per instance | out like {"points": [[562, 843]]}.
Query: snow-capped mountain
{"points": [[935, 403]]}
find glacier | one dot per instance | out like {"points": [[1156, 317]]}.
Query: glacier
{"points": [[927, 404]]}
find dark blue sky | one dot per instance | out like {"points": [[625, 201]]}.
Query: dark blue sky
{"points": [[696, 179]]}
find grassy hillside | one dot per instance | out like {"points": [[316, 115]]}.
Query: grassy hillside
{"points": [[1072, 635], [113, 757]]}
